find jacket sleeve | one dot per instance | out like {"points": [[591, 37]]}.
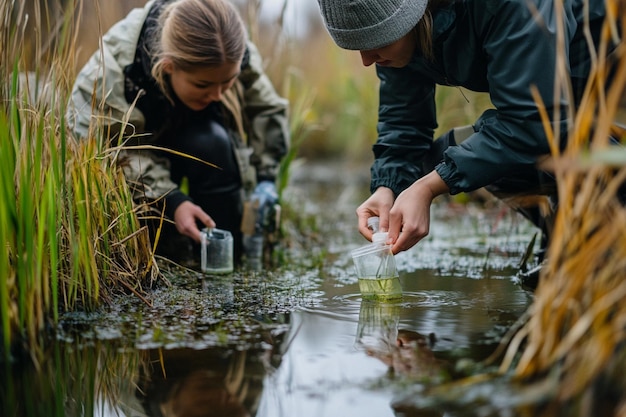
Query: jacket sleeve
{"points": [[149, 178], [267, 116], [97, 99], [521, 53], [98, 108], [406, 122]]}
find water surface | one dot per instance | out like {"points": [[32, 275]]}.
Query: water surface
{"points": [[297, 340]]}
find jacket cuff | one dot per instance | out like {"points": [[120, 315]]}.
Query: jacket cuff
{"points": [[387, 183], [447, 171], [172, 200], [268, 178]]}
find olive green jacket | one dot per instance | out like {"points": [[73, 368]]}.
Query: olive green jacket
{"points": [[99, 109]]}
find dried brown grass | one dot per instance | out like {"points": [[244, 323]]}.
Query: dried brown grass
{"points": [[577, 324]]}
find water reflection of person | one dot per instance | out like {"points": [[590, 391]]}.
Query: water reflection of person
{"points": [[405, 352], [205, 383], [411, 355]]}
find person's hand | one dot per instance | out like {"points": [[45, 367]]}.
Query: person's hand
{"points": [[409, 218], [267, 196], [378, 204], [186, 216], [265, 199], [266, 192]]}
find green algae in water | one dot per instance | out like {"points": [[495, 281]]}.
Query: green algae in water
{"points": [[380, 288]]}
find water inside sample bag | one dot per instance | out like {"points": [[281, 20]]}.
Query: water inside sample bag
{"points": [[376, 267]]}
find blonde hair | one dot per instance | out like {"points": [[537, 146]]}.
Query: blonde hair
{"points": [[197, 34]]}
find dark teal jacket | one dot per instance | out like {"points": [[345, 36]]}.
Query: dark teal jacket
{"points": [[501, 47]]}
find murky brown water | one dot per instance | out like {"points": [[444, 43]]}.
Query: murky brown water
{"points": [[298, 341]]}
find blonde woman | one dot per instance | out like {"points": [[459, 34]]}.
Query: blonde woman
{"points": [[186, 78]]}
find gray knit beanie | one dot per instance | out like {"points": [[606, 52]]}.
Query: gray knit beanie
{"points": [[370, 24]]}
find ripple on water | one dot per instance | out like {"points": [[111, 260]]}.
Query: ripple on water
{"points": [[431, 298], [410, 299]]}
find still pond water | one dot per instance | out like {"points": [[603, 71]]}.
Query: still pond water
{"points": [[298, 341]]}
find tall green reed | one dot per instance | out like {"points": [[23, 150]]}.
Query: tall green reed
{"points": [[290, 80], [301, 123], [71, 234]]}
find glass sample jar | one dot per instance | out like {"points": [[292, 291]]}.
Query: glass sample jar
{"points": [[216, 251]]}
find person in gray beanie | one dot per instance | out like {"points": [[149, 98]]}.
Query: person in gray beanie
{"points": [[494, 46]]}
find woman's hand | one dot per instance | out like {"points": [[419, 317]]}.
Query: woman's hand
{"points": [[378, 204], [186, 216], [409, 218]]}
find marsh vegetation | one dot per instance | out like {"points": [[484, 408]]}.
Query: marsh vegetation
{"points": [[80, 282]]}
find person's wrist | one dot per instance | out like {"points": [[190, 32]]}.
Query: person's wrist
{"points": [[432, 185], [386, 191]]}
